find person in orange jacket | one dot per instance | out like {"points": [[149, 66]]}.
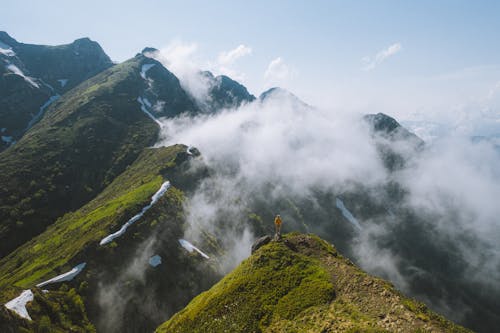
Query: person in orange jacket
{"points": [[277, 225]]}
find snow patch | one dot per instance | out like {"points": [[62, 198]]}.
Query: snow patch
{"points": [[62, 82], [146, 102], [18, 304], [164, 187], [144, 69], [155, 260], [347, 214], [14, 69], [144, 107], [6, 49], [7, 139], [39, 115], [188, 150], [68, 276], [190, 248]]}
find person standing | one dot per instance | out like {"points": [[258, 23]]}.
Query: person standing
{"points": [[277, 225]]}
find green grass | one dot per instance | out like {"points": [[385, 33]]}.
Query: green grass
{"points": [[275, 284], [50, 253], [303, 285], [86, 139]]}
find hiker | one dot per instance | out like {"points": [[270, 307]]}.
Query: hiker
{"points": [[277, 225]]}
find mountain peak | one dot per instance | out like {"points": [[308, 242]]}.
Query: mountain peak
{"points": [[300, 284], [276, 92], [149, 51], [225, 92], [6, 38], [280, 93], [382, 122], [83, 40], [387, 126], [273, 91]]}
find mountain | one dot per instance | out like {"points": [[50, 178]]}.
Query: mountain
{"points": [[280, 95], [219, 92], [33, 76], [396, 145], [164, 95], [117, 278], [224, 92], [58, 312], [302, 284], [390, 128], [86, 138]]}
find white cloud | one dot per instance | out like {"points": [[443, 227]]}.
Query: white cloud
{"points": [[183, 59], [226, 61], [278, 72], [178, 57], [370, 63], [280, 149], [229, 57]]}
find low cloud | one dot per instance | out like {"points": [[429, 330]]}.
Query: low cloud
{"points": [[183, 59], [279, 150], [278, 73], [370, 63]]}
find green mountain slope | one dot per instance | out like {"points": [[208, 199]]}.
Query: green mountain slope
{"points": [[302, 284], [31, 74], [55, 312], [51, 252], [74, 62], [75, 238], [86, 139]]}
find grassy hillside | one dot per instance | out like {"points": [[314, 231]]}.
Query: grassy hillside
{"points": [[302, 284], [84, 141], [52, 252], [53, 70], [122, 265], [55, 312]]}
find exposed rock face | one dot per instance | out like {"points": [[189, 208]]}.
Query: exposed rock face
{"points": [[260, 242], [225, 92]]}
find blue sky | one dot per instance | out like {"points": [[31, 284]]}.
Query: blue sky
{"points": [[419, 60]]}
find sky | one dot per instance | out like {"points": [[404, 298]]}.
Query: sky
{"points": [[425, 62]]}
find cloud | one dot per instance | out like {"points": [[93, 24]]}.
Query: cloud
{"points": [[229, 57], [278, 72], [178, 57], [183, 59], [479, 116], [258, 145], [441, 205], [226, 60], [370, 63]]}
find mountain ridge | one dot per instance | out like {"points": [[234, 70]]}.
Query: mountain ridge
{"points": [[299, 284], [32, 76]]}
